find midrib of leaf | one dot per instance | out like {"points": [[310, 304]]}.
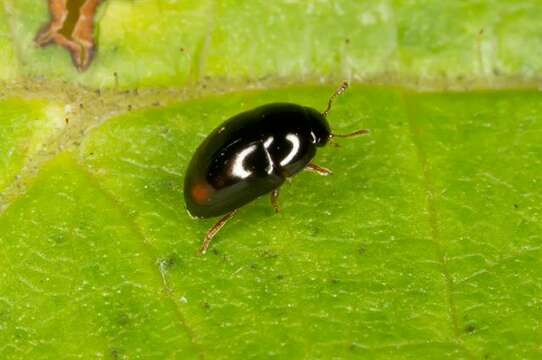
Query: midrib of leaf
{"points": [[153, 260]]}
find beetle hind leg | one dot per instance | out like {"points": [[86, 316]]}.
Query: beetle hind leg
{"points": [[320, 170], [214, 230], [275, 200]]}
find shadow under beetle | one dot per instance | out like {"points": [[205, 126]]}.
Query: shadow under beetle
{"points": [[252, 154]]}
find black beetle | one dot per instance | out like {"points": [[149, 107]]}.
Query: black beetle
{"points": [[252, 154]]}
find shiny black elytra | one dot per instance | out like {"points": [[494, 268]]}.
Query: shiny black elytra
{"points": [[252, 154]]}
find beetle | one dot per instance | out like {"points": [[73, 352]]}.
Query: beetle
{"points": [[252, 154]]}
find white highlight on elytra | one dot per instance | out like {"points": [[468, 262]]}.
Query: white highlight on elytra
{"points": [[237, 168], [267, 143], [295, 148]]}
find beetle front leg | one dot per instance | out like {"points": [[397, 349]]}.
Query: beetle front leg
{"points": [[318, 169], [275, 199]]}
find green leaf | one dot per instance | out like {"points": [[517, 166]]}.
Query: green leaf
{"points": [[424, 244], [173, 43], [8, 63]]}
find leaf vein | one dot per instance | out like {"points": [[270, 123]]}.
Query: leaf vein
{"points": [[148, 251]]}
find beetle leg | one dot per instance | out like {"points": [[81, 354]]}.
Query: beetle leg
{"points": [[274, 199], [318, 169], [214, 230], [352, 134]]}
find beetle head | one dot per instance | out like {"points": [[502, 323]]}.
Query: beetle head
{"points": [[319, 127]]}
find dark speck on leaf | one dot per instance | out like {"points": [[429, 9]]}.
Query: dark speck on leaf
{"points": [[353, 347], [280, 277], [268, 254], [123, 319], [170, 262], [469, 328], [516, 206], [20, 333], [205, 305], [115, 354], [58, 239], [362, 250]]}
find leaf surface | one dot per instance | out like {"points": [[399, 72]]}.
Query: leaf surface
{"points": [[423, 244]]}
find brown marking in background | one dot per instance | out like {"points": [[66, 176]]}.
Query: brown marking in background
{"points": [[72, 27]]}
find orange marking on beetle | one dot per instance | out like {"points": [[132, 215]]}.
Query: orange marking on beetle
{"points": [[201, 192]]}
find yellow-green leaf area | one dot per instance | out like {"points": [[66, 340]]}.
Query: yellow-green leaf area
{"points": [[24, 127], [148, 43], [8, 61]]}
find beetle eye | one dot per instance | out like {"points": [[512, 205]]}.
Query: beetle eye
{"points": [[314, 139]]}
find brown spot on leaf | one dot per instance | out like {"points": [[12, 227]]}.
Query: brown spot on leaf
{"points": [[71, 26]]}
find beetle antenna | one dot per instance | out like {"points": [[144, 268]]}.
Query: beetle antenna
{"points": [[337, 92], [352, 134]]}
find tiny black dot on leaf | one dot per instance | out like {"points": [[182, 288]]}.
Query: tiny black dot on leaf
{"points": [[169, 262], [123, 319], [115, 353], [314, 230], [469, 328]]}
